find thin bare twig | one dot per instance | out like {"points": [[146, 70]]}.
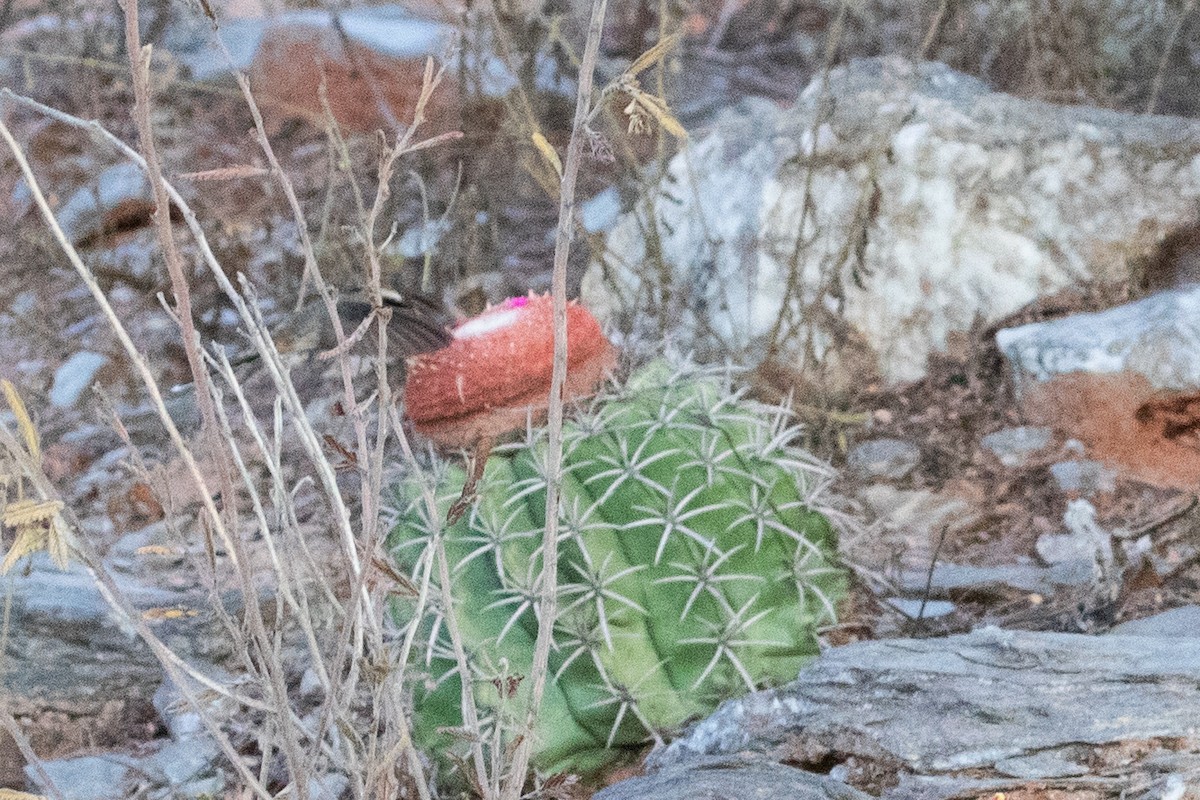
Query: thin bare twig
{"points": [[139, 67], [1160, 73], [935, 31], [548, 590]]}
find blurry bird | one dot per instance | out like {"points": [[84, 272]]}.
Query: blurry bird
{"points": [[418, 324]]}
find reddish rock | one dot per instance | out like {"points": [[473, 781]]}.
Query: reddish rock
{"points": [[1149, 434], [367, 90]]}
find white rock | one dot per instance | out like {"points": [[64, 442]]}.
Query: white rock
{"points": [[930, 201], [1084, 476]]}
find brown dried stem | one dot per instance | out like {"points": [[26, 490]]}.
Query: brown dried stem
{"points": [[548, 590]]}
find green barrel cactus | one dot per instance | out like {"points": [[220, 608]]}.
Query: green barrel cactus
{"points": [[694, 564]]}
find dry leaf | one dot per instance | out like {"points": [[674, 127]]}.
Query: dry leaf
{"points": [[28, 541], [547, 150], [657, 108], [24, 421], [38, 527], [154, 550], [30, 513], [13, 794], [160, 614], [654, 54]]}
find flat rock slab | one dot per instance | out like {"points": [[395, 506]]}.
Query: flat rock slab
{"points": [[1003, 705], [731, 779], [1156, 337]]}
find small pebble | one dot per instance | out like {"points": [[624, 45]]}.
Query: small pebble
{"points": [[1084, 477], [1014, 446], [892, 459], [75, 375]]}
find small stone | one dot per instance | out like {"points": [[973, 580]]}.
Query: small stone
{"points": [[182, 721], [97, 207], [1040, 766], [187, 760], [85, 778], [1014, 446], [921, 609], [421, 240], [75, 375], [328, 787], [600, 213], [892, 459], [310, 684], [1060, 548], [1085, 477]]}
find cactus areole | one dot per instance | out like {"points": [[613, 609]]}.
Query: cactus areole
{"points": [[497, 369]]}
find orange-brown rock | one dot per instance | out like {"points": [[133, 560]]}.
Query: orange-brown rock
{"points": [[1149, 434], [367, 90]]}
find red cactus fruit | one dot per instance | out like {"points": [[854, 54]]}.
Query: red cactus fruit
{"points": [[497, 369]]}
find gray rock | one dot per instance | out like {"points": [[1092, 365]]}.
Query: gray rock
{"points": [[1014, 446], [181, 719], [310, 685], [601, 212], [65, 645], [389, 30], [74, 376], [948, 576], [1182, 622], [200, 789], [85, 778], [892, 459], [968, 702], [930, 201], [1063, 548], [328, 787], [1084, 477], [185, 761], [730, 779], [420, 240], [1040, 766], [1156, 337]]}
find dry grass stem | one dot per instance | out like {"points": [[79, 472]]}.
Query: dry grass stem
{"points": [[548, 588]]}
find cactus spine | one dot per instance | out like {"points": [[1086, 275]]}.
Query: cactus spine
{"points": [[695, 564]]}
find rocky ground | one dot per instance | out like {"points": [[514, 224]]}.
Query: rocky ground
{"points": [[1041, 481]]}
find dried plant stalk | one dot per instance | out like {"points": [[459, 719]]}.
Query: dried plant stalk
{"points": [[548, 589]]}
